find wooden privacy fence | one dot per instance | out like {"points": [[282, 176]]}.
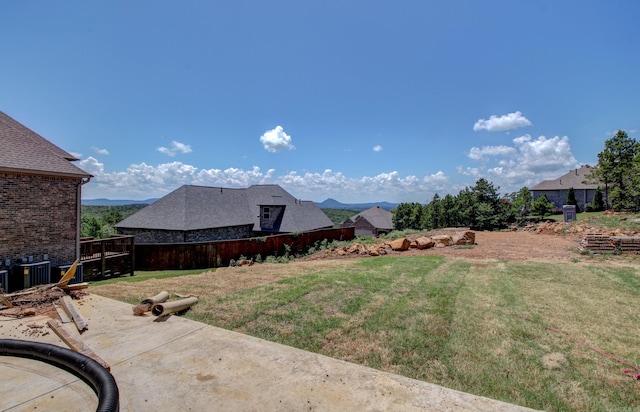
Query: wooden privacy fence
{"points": [[203, 255]]}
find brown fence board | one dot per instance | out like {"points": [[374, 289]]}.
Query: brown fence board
{"points": [[204, 255]]}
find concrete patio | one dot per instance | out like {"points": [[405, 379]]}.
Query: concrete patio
{"points": [[181, 365]]}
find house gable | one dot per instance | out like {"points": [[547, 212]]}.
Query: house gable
{"points": [[371, 221]]}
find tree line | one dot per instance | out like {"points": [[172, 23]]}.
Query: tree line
{"points": [[481, 207]]}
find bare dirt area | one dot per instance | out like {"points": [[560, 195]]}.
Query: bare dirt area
{"points": [[505, 245], [519, 246]]}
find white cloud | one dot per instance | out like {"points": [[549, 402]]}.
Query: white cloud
{"points": [[527, 163], [502, 123], [100, 151], [142, 181], [377, 148], [276, 140], [477, 153], [176, 147]]}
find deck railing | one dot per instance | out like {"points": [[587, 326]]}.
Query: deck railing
{"points": [[105, 258]]}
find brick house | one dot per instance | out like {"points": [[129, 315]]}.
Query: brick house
{"points": [[374, 221], [40, 189], [200, 214], [556, 190]]}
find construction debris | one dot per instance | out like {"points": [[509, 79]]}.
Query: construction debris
{"points": [[146, 304], [163, 309], [71, 310], [68, 275], [75, 343]]}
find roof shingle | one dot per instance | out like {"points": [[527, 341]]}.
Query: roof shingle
{"points": [[200, 207], [24, 151]]}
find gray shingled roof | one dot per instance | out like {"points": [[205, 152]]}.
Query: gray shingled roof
{"points": [[377, 216], [574, 179], [24, 151], [200, 207]]}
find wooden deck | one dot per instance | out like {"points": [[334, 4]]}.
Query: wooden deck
{"points": [[106, 258]]}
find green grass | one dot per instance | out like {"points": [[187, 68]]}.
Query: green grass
{"points": [[520, 332], [140, 276]]}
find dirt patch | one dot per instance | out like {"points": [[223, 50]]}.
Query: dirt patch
{"points": [[516, 245]]}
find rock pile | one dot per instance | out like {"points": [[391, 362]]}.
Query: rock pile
{"points": [[420, 242]]}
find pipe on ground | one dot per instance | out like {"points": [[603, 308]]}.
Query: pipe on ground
{"points": [[162, 309], [159, 298], [85, 368]]}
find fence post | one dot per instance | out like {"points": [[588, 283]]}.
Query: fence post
{"points": [[132, 255], [103, 258]]}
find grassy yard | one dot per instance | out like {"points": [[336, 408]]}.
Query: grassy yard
{"points": [[520, 332]]}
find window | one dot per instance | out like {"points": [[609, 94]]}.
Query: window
{"points": [[266, 213]]}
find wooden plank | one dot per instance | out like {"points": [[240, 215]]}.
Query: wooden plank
{"points": [[75, 343], [63, 315], [69, 274], [4, 301], [73, 313]]}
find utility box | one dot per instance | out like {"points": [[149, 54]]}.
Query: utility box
{"points": [[4, 280], [58, 272], [569, 212], [27, 275]]}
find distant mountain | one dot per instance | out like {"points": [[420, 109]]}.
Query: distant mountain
{"points": [[115, 202], [334, 204]]}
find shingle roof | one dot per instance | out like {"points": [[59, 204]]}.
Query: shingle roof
{"points": [[24, 151], [200, 207], [574, 179], [377, 216]]}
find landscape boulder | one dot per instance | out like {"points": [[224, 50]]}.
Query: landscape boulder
{"points": [[424, 242], [442, 240], [466, 237], [400, 244]]}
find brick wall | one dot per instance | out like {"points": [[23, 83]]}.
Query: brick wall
{"points": [[38, 216]]}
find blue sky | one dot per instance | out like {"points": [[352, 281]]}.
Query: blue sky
{"points": [[354, 100]]}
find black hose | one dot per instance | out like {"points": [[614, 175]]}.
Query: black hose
{"points": [[90, 371]]}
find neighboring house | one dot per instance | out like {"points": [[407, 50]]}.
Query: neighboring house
{"points": [[556, 190], [374, 221], [40, 189], [200, 214]]}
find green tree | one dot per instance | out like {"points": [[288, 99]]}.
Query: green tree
{"points": [[597, 204], [571, 199], [618, 167], [92, 228], [486, 210], [408, 216], [542, 207], [522, 200]]}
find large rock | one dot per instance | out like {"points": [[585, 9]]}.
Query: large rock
{"points": [[466, 237], [400, 244], [442, 240], [424, 242]]}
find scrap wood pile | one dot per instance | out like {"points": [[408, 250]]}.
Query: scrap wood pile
{"points": [[55, 301], [41, 299]]}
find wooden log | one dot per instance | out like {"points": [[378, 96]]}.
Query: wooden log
{"points": [[74, 343], [73, 313]]}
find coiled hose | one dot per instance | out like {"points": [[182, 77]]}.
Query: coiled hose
{"points": [[90, 371]]}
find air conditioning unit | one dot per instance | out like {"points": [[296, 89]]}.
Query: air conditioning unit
{"points": [[4, 280], [27, 275], [62, 269]]}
